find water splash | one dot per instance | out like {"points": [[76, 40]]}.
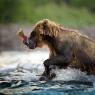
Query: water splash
{"points": [[28, 65], [20, 72]]}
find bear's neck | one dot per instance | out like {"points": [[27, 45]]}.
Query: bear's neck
{"points": [[49, 42]]}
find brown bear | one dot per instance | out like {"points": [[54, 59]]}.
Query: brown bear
{"points": [[68, 47]]}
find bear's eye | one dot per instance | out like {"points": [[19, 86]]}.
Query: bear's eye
{"points": [[33, 34]]}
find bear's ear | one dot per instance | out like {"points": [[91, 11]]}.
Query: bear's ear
{"points": [[48, 28], [45, 21], [45, 30]]}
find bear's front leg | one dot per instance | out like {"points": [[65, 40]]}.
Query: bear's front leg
{"points": [[59, 61]]}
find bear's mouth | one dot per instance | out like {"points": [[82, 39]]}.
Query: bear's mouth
{"points": [[31, 44]]}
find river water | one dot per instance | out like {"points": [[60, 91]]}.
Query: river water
{"points": [[20, 71]]}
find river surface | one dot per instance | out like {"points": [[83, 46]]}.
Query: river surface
{"points": [[20, 71]]}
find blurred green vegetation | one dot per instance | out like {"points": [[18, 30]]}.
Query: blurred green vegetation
{"points": [[74, 13]]}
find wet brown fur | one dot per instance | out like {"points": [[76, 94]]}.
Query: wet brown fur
{"points": [[83, 47]]}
